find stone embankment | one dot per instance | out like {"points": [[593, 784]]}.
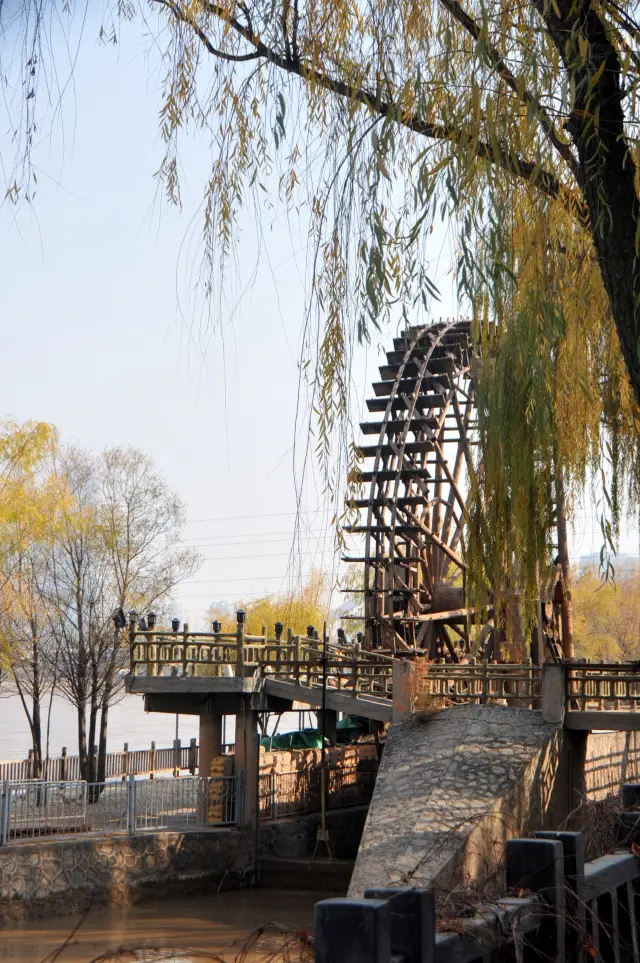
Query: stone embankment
{"points": [[451, 790], [62, 876]]}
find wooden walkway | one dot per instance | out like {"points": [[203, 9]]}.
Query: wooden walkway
{"points": [[358, 682]]}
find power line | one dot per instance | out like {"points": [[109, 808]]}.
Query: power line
{"points": [[200, 538], [231, 558], [230, 518]]}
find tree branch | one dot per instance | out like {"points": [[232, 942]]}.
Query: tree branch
{"points": [[501, 154], [497, 62], [215, 51]]}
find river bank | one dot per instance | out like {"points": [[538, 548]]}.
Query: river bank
{"points": [[219, 924], [128, 722]]}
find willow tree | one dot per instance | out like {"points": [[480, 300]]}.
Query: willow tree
{"points": [[516, 122]]}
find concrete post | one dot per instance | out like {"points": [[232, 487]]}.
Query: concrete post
{"points": [[404, 690], [210, 741], [353, 931], [538, 865], [247, 761], [553, 693]]}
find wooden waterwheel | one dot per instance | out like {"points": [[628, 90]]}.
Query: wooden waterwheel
{"points": [[413, 516]]}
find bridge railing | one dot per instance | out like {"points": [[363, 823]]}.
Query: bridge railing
{"points": [[603, 686], [297, 659], [562, 909], [481, 683]]}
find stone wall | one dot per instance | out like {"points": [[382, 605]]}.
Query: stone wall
{"points": [[294, 837], [54, 877], [452, 788]]}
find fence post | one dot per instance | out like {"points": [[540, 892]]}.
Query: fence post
{"points": [[193, 756], [185, 644], [553, 693], [404, 690], [177, 752], [573, 852], [63, 764], [413, 922], [152, 761], [484, 697], [5, 807], [239, 793], [240, 616], [131, 804], [125, 761], [538, 865], [274, 792], [353, 931]]}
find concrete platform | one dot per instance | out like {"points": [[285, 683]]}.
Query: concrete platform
{"points": [[188, 694]]}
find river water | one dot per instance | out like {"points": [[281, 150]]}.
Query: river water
{"points": [[128, 722], [163, 930]]}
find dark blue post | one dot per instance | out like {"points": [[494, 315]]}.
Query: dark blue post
{"points": [[537, 865], [573, 853], [631, 794], [413, 922], [353, 931]]}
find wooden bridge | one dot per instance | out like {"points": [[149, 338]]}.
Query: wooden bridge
{"points": [[172, 667]]}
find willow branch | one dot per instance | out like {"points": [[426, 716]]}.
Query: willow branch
{"points": [[497, 62], [499, 154]]}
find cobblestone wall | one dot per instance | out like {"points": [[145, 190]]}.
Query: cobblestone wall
{"points": [[452, 789], [53, 877], [294, 837]]}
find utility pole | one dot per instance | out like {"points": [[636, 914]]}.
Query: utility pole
{"points": [[323, 832]]}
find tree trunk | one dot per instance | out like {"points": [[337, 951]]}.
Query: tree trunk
{"points": [[102, 744], [607, 169], [36, 735], [82, 743], [93, 719], [568, 648]]}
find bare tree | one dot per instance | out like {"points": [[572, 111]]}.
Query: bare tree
{"points": [[116, 546], [77, 590], [141, 522], [25, 627]]}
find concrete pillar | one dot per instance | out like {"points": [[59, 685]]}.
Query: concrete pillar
{"points": [[330, 725], [404, 690], [247, 761], [210, 740], [553, 693]]}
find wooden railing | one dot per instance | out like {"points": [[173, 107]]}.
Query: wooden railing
{"points": [[127, 762], [603, 686], [297, 659], [480, 683]]}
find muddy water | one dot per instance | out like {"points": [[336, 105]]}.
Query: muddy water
{"points": [[163, 930]]}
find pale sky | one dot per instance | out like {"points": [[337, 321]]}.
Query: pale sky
{"points": [[94, 342]]}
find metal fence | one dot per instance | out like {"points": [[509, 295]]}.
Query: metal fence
{"points": [[126, 762], [298, 791], [563, 910], [34, 810]]}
